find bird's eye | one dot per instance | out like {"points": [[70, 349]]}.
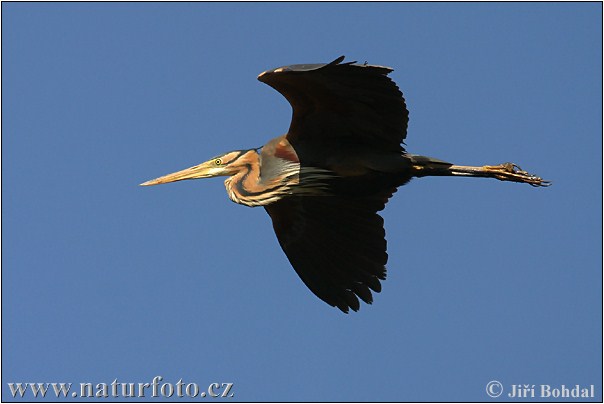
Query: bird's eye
{"points": [[218, 162]]}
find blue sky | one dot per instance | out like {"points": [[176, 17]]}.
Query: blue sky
{"points": [[103, 279]]}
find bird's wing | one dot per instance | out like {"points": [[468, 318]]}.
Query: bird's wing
{"points": [[336, 246], [346, 101]]}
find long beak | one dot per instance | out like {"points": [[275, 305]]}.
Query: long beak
{"points": [[199, 171]]}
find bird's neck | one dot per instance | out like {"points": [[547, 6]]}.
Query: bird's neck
{"points": [[246, 187], [255, 185]]}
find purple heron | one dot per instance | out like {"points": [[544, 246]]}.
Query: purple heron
{"points": [[324, 181]]}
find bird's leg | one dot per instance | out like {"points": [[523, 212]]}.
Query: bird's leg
{"points": [[424, 166], [503, 172]]}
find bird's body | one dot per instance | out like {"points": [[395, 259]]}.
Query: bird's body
{"points": [[324, 181]]}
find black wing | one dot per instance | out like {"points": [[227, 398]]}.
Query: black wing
{"points": [[337, 246], [342, 101]]}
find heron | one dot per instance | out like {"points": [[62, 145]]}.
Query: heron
{"points": [[325, 180]]}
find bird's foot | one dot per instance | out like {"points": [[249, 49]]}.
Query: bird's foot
{"points": [[512, 172]]}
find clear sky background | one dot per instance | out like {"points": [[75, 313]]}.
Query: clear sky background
{"points": [[103, 279]]}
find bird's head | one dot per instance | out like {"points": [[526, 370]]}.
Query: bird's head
{"points": [[225, 165]]}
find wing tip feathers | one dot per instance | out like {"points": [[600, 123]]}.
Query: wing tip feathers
{"points": [[264, 76]]}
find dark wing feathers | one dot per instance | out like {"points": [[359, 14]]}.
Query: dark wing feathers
{"points": [[342, 100], [337, 243], [309, 66], [337, 246]]}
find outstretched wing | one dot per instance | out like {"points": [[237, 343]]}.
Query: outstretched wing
{"points": [[337, 246], [345, 101]]}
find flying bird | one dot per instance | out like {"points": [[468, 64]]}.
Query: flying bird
{"points": [[324, 181]]}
